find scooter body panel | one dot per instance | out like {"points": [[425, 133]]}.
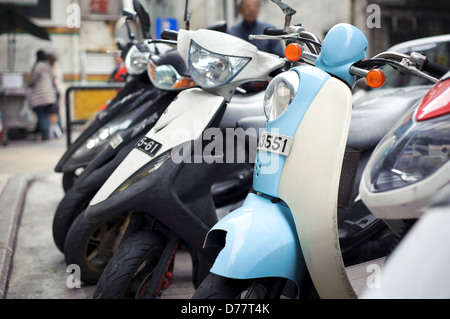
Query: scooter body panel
{"points": [[254, 250], [128, 104], [418, 267], [185, 119], [102, 166], [312, 194], [269, 166], [311, 199]]}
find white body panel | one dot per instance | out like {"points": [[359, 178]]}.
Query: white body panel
{"points": [[309, 185], [418, 267], [184, 120]]}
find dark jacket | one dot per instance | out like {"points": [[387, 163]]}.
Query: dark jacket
{"points": [[244, 29]]}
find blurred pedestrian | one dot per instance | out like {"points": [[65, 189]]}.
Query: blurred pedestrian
{"points": [[249, 9], [120, 72], [58, 83], [42, 94]]}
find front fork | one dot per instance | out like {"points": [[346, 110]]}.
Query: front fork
{"points": [[162, 276]]}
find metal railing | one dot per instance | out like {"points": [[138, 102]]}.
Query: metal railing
{"points": [[69, 120]]}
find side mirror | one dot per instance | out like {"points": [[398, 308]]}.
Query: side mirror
{"points": [[144, 18]]}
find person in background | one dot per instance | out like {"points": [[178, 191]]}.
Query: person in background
{"points": [[120, 73], [42, 94], [249, 9], [55, 119]]}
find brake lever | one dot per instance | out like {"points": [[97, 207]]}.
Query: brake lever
{"points": [[410, 66]]}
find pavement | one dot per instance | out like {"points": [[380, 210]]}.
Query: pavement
{"points": [[29, 193]]}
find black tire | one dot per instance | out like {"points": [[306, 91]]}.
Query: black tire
{"points": [[92, 245], [124, 277], [70, 206], [218, 287]]}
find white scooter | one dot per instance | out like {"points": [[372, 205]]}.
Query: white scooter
{"points": [[407, 182], [288, 228], [166, 180]]}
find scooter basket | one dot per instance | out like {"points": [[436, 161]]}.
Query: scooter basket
{"points": [[348, 174]]}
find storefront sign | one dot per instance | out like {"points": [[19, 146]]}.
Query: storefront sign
{"points": [[101, 9]]}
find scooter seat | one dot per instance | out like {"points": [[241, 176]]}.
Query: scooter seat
{"points": [[372, 120]]}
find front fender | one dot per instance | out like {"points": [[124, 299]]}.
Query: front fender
{"points": [[259, 240]]}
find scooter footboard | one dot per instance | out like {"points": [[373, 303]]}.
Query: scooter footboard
{"points": [[259, 240]]}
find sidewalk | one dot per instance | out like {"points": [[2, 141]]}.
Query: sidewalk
{"points": [[22, 163]]}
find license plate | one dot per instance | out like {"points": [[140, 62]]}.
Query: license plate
{"points": [[148, 146], [275, 143]]}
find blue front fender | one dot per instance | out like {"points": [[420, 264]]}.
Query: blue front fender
{"points": [[260, 241]]}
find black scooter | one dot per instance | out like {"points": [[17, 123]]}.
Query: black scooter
{"points": [[137, 89], [165, 193], [99, 242]]}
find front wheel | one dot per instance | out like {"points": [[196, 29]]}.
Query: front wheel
{"points": [[218, 287], [130, 270], [71, 205], [91, 245]]}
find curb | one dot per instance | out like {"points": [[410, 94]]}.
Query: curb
{"points": [[12, 201]]}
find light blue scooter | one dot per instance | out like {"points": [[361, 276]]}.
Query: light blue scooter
{"points": [[287, 230]]}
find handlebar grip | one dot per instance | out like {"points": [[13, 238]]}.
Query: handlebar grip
{"points": [[169, 35], [434, 68], [273, 31]]}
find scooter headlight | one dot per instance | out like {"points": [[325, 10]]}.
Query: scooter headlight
{"points": [[280, 93], [210, 70], [166, 77], [98, 141], [136, 59], [148, 169], [411, 152]]}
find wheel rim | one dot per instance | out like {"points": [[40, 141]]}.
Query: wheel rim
{"points": [[141, 278], [102, 243]]}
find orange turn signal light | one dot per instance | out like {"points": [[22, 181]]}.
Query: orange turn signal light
{"points": [[293, 52], [375, 78], [184, 83]]}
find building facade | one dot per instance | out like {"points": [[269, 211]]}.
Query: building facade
{"points": [[82, 31]]}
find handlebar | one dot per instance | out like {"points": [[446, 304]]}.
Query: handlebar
{"points": [[273, 31], [435, 68], [414, 64], [169, 35]]}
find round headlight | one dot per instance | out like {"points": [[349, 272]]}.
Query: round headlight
{"points": [[136, 60], [166, 77], [412, 152], [280, 93]]}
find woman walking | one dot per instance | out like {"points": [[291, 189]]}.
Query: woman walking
{"points": [[42, 95]]}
